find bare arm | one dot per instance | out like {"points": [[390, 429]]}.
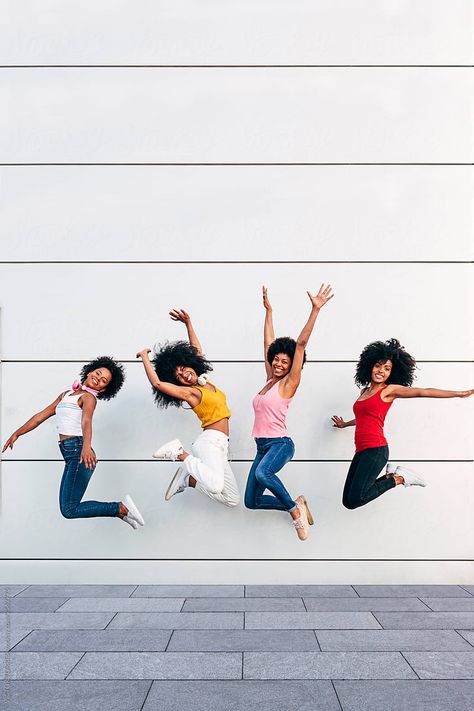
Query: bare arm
{"points": [[181, 315], [395, 391], [268, 331], [32, 423], [88, 404], [293, 378], [340, 423], [178, 391]]}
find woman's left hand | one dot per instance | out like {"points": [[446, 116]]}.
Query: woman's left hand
{"points": [[466, 393], [88, 457], [322, 297], [180, 315], [142, 354]]}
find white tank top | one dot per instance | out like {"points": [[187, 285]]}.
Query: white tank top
{"points": [[69, 415]]}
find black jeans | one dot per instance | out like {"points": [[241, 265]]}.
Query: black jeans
{"points": [[362, 484]]}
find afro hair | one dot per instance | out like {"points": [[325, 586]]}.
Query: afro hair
{"points": [[118, 375], [403, 364], [285, 345], [170, 356]]}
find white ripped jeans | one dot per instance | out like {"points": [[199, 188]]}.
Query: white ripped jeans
{"points": [[208, 464]]}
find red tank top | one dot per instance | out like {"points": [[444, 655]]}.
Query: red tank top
{"points": [[370, 417]]}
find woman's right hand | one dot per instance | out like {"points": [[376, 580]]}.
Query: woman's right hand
{"points": [[144, 353], [338, 422], [180, 315], [10, 442], [266, 302]]}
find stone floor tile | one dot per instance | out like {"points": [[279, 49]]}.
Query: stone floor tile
{"points": [[326, 665], [425, 620], [390, 640], [11, 590], [37, 665], [300, 591], [55, 620], [442, 665], [243, 640], [123, 604], [242, 696], [9, 638], [73, 695], [78, 591], [411, 591], [178, 620], [450, 604], [244, 604], [96, 641], [159, 665], [31, 604], [469, 588], [311, 620], [189, 591], [467, 635], [364, 604], [405, 695]]}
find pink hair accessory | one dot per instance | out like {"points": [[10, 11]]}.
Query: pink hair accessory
{"points": [[77, 385]]}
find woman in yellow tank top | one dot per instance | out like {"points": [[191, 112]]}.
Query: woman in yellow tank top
{"points": [[178, 375]]}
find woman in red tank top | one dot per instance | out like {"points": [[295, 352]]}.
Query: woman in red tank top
{"points": [[385, 371]]}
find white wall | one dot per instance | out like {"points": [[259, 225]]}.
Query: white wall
{"points": [[168, 154]]}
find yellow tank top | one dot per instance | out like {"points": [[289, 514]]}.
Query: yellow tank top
{"points": [[213, 406]]}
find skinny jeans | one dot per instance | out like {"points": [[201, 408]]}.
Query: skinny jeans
{"points": [[272, 455], [363, 483]]}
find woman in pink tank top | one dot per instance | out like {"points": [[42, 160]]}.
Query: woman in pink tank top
{"points": [[284, 359], [385, 371]]}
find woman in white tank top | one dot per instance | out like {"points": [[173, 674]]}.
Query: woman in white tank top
{"points": [[101, 379]]}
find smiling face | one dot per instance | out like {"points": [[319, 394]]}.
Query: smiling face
{"points": [[281, 365], [98, 379], [185, 375], [381, 372]]}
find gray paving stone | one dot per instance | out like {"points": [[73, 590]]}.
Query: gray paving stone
{"points": [[123, 604], [9, 638], [243, 640], [37, 665], [405, 695], [78, 591], [411, 591], [73, 695], [96, 641], [159, 665], [442, 665], [311, 620], [468, 635], [189, 591], [469, 588], [244, 604], [450, 604], [326, 665], [425, 620], [179, 620], [54, 620], [32, 604], [390, 640], [300, 591], [11, 590], [361, 604], [242, 696]]}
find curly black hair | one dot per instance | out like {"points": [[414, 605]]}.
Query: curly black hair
{"points": [[285, 345], [403, 364], [118, 375], [169, 357]]}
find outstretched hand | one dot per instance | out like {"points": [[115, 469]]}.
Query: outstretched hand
{"points": [[466, 393], [143, 353], [322, 297], [338, 421], [10, 442], [180, 315], [266, 301]]}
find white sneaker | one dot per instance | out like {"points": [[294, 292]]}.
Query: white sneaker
{"points": [[133, 513], [177, 484], [131, 522], [410, 478], [391, 469], [170, 451]]}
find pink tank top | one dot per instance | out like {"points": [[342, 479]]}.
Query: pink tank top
{"points": [[270, 413]]}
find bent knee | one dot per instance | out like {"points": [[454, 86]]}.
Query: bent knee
{"points": [[231, 503], [351, 504], [67, 511]]}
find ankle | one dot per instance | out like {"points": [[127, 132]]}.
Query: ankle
{"points": [[182, 456], [192, 482], [296, 513], [123, 511], [398, 479]]}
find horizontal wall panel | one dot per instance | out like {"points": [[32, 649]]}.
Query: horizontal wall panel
{"points": [[289, 213], [131, 427], [250, 32], [59, 312], [437, 520], [236, 115]]}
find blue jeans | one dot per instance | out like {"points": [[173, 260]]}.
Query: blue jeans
{"points": [[363, 483], [272, 455], [74, 483]]}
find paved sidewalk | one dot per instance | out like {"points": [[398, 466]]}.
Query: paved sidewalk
{"points": [[235, 647]]}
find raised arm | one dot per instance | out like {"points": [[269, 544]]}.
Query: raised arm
{"points": [[184, 317], [293, 378], [268, 330], [32, 423], [395, 391], [178, 391]]}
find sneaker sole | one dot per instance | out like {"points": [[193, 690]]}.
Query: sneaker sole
{"points": [[168, 496]]}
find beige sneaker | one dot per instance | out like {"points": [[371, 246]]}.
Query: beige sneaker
{"points": [[302, 499], [301, 523]]}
